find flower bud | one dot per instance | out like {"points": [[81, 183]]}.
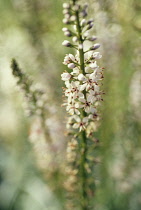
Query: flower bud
{"points": [[68, 33], [76, 7], [84, 13], [66, 21], [86, 34], [95, 46], [92, 38], [73, 18], [75, 39], [80, 46], [66, 5], [65, 29], [90, 25], [71, 65], [66, 43], [83, 22], [65, 11]]}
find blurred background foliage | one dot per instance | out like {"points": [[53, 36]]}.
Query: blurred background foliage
{"points": [[31, 33]]}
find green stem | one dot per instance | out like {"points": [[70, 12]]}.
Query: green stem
{"points": [[83, 133], [45, 129]]}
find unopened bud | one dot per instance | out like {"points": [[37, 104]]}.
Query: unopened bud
{"points": [[66, 21], [75, 39], [66, 5], [80, 46], [92, 38], [65, 29], [83, 22], [73, 18], [84, 13], [71, 65], [66, 43], [65, 11], [67, 33], [95, 46], [76, 7], [90, 25]]}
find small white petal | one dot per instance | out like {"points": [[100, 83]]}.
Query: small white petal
{"points": [[81, 77], [72, 57], [77, 112], [92, 110], [93, 65], [82, 100], [65, 76], [76, 125], [77, 119], [85, 119], [77, 105], [82, 87]]}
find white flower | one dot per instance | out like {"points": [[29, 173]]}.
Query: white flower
{"points": [[97, 55], [93, 77], [87, 105], [75, 71], [89, 82], [69, 58], [80, 123], [94, 65], [73, 88], [73, 108], [66, 60], [65, 76], [91, 96], [93, 116]]}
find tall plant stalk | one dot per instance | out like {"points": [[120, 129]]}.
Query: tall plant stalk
{"points": [[83, 94]]}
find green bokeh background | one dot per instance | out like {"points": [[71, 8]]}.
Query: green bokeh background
{"points": [[30, 31]]}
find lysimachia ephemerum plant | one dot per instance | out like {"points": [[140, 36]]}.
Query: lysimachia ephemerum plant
{"points": [[35, 98], [83, 96], [45, 145]]}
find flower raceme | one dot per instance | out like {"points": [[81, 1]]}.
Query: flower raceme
{"points": [[83, 96], [83, 80]]}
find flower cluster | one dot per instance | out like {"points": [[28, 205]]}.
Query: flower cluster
{"points": [[83, 79], [71, 172]]}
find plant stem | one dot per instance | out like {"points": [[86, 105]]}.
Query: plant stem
{"points": [[83, 133]]}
